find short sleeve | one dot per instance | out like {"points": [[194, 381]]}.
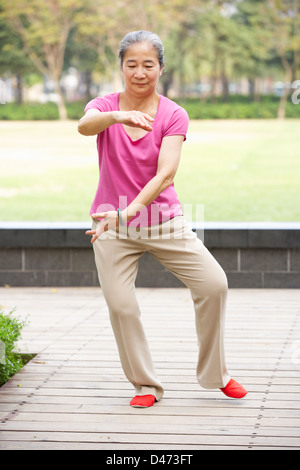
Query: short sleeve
{"points": [[178, 124], [101, 104]]}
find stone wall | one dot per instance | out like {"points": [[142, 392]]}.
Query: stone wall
{"points": [[252, 255]]}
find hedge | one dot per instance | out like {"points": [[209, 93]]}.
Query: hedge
{"points": [[237, 107]]}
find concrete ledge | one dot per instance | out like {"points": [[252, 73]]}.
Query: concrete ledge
{"points": [[60, 254]]}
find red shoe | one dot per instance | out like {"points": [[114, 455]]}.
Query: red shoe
{"points": [[234, 390], [144, 401]]}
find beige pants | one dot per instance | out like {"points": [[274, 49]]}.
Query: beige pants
{"points": [[179, 249]]}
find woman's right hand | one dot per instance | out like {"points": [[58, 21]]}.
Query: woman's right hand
{"points": [[134, 119], [94, 121]]}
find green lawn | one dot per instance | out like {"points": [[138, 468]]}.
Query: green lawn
{"points": [[239, 170]]}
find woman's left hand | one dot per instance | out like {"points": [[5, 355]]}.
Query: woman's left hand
{"points": [[110, 220]]}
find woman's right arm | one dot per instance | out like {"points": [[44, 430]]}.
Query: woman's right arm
{"points": [[94, 121]]}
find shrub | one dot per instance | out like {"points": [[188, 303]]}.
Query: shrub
{"points": [[28, 112], [10, 331], [236, 107], [38, 111], [75, 110]]}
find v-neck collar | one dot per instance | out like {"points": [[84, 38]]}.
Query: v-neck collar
{"points": [[143, 137]]}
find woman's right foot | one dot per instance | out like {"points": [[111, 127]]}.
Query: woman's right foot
{"points": [[142, 401]]}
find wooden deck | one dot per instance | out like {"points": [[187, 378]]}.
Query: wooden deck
{"points": [[73, 394]]}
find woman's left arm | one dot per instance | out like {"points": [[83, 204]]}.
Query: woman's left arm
{"points": [[168, 162]]}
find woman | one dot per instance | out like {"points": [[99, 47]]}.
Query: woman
{"points": [[136, 209]]}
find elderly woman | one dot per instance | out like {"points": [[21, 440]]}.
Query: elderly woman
{"points": [[136, 209]]}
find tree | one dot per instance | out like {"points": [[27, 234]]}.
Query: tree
{"points": [[44, 27], [252, 52], [106, 23], [12, 59], [281, 20]]}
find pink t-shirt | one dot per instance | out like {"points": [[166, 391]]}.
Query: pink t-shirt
{"points": [[126, 166]]}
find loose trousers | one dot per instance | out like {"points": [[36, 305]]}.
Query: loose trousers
{"points": [[178, 248]]}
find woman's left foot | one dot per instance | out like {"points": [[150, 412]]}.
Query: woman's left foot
{"points": [[234, 390]]}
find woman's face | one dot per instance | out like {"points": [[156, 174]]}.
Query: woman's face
{"points": [[141, 69]]}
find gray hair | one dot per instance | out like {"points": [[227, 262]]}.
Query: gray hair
{"points": [[142, 36]]}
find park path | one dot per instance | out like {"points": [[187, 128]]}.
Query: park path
{"points": [[73, 394]]}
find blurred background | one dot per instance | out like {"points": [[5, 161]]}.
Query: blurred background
{"points": [[234, 66]]}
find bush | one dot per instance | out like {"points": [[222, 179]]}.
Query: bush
{"points": [[38, 111], [237, 107], [75, 110], [10, 360], [28, 112]]}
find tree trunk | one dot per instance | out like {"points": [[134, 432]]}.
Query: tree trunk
{"points": [[296, 33], [282, 104], [62, 110], [167, 82], [251, 88], [214, 77], [287, 81], [19, 89], [225, 82], [87, 78]]}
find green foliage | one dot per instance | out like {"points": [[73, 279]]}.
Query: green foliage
{"points": [[75, 110], [28, 112], [38, 112], [237, 107], [219, 41], [10, 332]]}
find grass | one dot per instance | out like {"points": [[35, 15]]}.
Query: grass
{"points": [[243, 170]]}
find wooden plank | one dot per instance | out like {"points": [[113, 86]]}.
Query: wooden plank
{"points": [[178, 439], [120, 420], [93, 381], [73, 423], [64, 433], [190, 398], [111, 447], [173, 414], [119, 415]]}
